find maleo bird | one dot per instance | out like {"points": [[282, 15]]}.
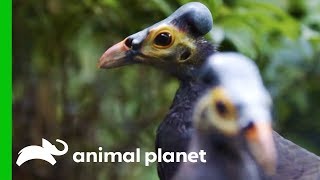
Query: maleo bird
{"points": [[232, 123], [176, 46]]}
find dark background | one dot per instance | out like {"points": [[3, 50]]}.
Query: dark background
{"points": [[59, 93]]}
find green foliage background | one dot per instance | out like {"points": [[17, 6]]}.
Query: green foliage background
{"points": [[58, 92]]}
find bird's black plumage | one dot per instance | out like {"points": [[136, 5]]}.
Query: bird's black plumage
{"points": [[175, 131]]}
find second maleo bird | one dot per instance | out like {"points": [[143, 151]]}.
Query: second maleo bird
{"points": [[176, 46], [232, 123]]}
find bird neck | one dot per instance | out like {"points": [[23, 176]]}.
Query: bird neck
{"points": [[189, 92], [229, 156], [222, 145], [181, 109]]}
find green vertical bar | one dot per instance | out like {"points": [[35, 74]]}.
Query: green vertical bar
{"points": [[6, 89]]}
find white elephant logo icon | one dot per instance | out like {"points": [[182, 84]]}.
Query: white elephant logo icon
{"points": [[44, 152]]}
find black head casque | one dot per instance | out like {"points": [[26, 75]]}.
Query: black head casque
{"points": [[238, 104], [174, 44]]}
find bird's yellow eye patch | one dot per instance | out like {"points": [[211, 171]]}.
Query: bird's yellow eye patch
{"points": [[163, 37], [222, 105], [167, 42], [216, 109]]}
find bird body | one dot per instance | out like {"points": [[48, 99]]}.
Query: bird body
{"points": [[295, 162]]}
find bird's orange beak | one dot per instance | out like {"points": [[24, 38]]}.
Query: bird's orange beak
{"points": [[115, 56], [261, 144]]}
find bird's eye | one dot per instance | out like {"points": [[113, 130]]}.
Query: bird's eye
{"points": [[221, 108], [163, 40], [222, 105]]}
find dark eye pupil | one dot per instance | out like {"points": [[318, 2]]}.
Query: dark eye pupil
{"points": [[221, 108], [163, 39]]}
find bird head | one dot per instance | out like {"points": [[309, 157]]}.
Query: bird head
{"points": [[173, 44], [237, 105]]}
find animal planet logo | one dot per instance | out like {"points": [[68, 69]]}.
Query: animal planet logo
{"points": [[44, 152]]}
